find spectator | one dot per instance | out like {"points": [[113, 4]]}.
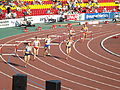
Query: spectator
{"points": [[96, 11], [35, 2], [88, 6], [1, 3], [14, 15], [12, 4], [40, 2], [119, 6], [104, 9], [8, 8], [114, 10], [18, 9], [8, 16], [95, 1], [60, 12], [48, 11], [1, 14], [0, 10], [28, 11]]}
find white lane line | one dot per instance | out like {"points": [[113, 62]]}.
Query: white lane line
{"points": [[94, 67], [25, 72], [90, 59], [20, 58], [102, 45], [62, 77], [58, 76], [76, 74], [27, 83], [86, 63], [87, 71], [106, 84], [88, 45], [17, 68]]}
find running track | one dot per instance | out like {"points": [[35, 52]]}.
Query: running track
{"points": [[89, 66]]}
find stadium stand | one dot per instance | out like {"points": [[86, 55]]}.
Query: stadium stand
{"points": [[48, 7]]}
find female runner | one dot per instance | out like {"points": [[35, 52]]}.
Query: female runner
{"points": [[85, 30], [27, 53], [69, 46], [36, 45], [47, 46]]}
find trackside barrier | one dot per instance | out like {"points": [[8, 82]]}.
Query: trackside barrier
{"points": [[19, 82], [53, 85]]}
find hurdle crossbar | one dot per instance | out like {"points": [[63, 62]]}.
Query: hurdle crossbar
{"points": [[55, 36], [39, 38], [8, 44], [23, 41], [5, 54], [54, 44], [66, 33]]}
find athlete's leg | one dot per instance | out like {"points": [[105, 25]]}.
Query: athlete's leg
{"points": [[27, 61], [25, 58], [67, 52], [45, 51], [35, 53], [48, 50]]}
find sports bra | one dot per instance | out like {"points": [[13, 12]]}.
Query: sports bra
{"points": [[36, 43], [28, 48], [85, 28], [47, 40], [69, 43]]}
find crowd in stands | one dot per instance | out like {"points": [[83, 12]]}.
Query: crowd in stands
{"points": [[14, 9]]}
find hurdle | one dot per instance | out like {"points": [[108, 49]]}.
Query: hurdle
{"points": [[39, 38], [69, 25], [18, 42], [54, 26], [54, 44], [22, 41], [56, 36], [38, 28], [25, 29], [1, 45], [90, 33]]}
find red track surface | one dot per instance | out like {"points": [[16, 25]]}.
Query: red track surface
{"points": [[89, 67]]}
